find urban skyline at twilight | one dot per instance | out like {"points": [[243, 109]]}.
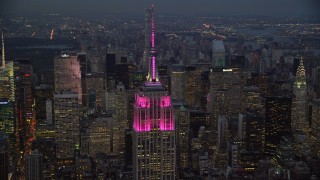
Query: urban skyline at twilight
{"points": [[163, 97]]}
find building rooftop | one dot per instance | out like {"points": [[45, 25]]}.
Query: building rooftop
{"points": [[218, 46]]}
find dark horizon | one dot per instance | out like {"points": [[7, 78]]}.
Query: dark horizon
{"points": [[275, 8]]}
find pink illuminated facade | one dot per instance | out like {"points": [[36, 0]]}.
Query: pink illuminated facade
{"points": [[154, 131]]}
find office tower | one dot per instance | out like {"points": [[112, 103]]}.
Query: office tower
{"points": [[66, 116], [277, 121], [24, 102], [154, 131], [251, 134], [100, 136], [85, 68], [177, 82], [7, 123], [316, 81], [7, 102], [4, 156], [122, 74], [147, 38], [218, 54], [192, 87], [225, 92], [120, 120], [315, 127], [83, 168], [182, 124], [67, 74], [110, 64], [49, 114], [284, 151], [46, 146], [42, 94], [96, 84], [220, 155], [6, 76], [33, 166], [299, 101]]}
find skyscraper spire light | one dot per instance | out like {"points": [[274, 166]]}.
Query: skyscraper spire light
{"points": [[3, 63], [152, 77]]}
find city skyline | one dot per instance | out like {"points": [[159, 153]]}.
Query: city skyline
{"points": [[165, 7]]}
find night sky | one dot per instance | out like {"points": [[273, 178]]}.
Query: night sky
{"points": [[170, 7]]}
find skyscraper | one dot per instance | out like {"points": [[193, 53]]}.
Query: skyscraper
{"points": [[121, 120], [66, 116], [299, 108], [218, 53], [277, 121], [67, 74], [33, 166], [154, 131]]}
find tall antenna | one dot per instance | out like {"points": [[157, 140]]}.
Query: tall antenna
{"points": [[3, 65], [153, 51]]}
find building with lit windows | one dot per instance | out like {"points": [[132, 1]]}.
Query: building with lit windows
{"points": [[95, 82], [120, 120], [315, 127], [299, 101], [277, 121], [7, 100], [67, 74], [154, 127], [182, 120], [66, 115], [100, 134], [225, 92], [177, 82]]}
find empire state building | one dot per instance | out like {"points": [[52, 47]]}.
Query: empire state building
{"points": [[154, 131]]}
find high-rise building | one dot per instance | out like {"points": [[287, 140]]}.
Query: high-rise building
{"points": [[177, 83], [4, 156], [25, 112], [225, 92], [67, 74], [154, 130], [42, 94], [100, 136], [299, 102], [182, 120], [95, 82], [218, 53], [120, 120], [251, 134], [85, 68], [315, 127], [7, 123], [66, 116], [33, 166], [277, 121], [49, 112]]}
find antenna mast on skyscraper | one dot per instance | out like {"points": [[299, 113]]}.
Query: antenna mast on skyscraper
{"points": [[3, 53]]}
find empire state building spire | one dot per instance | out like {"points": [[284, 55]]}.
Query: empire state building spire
{"points": [[152, 74], [3, 62]]}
